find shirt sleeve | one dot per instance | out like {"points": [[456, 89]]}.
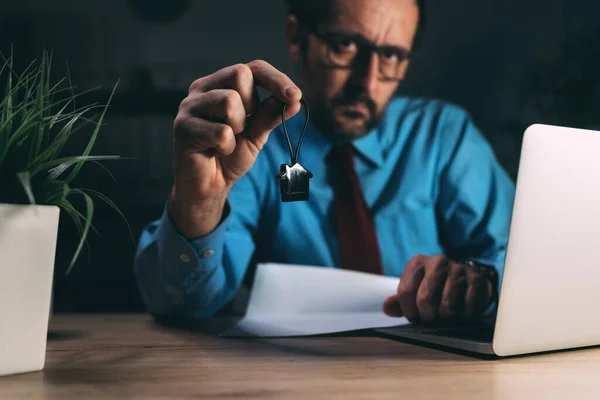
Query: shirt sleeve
{"points": [[475, 194], [197, 278]]}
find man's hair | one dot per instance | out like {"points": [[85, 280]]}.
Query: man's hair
{"points": [[321, 11]]}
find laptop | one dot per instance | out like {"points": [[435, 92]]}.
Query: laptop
{"points": [[550, 288]]}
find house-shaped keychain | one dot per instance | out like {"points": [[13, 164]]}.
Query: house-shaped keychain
{"points": [[294, 178], [294, 182]]}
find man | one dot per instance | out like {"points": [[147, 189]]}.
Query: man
{"points": [[401, 187]]}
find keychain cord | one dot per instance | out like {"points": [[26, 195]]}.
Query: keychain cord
{"points": [[294, 157]]}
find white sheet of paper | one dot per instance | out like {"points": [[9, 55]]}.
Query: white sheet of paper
{"points": [[296, 300]]}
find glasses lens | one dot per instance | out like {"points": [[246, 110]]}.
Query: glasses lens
{"points": [[342, 52], [390, 63], [390, 70]]}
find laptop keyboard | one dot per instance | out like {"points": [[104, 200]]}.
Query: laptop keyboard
{"points": [[479, 334]]}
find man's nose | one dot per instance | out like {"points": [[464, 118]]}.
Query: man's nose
{"points": [[368, 74]]}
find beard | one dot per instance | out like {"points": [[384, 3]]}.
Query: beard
{"points": [[348, 116]]}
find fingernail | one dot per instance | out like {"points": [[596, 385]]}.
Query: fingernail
{"points": [[291, 92]]}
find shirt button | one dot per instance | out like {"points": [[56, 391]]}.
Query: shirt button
{"points": [[184, 257], [208, 253]]}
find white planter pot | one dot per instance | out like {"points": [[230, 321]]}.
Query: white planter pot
{"points": [[28, 237]]}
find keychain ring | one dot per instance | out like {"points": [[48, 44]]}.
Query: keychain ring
{"points": [[294, 156]]}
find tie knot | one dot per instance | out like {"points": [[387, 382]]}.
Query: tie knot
{"points": [[342, 155]]}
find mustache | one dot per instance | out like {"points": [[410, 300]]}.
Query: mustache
{"points": [[363, 98]]}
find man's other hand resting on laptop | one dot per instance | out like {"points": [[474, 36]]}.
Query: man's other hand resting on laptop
{"points": [[437, 289], [392, 176]]}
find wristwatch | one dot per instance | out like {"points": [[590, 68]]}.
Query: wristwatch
{"points": [[488, 271]]}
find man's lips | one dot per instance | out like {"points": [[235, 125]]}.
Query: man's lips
{"points": [[355, 110]]}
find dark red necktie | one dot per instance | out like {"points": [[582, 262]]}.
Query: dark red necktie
{"points": [[359, 249]]}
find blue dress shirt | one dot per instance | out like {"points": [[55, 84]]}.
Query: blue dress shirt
{"points": [[430, 178]]}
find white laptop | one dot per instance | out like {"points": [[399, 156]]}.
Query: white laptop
{"points": [[550, 290]]}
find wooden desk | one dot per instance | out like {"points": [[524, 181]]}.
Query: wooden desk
{"points": [[131, 357]]}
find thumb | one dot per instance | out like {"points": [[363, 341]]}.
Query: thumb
{"points": [[268, 116], [391, 306]]}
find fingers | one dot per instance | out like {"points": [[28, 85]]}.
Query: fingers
{"points": [[477, 295], [196, 134], [268, 115], [219, 105], [435, 289], [276, 82], [391, 306], [430, 291], [453, 296], [267, 118], [230, 96], [236, 77], [244, 78], [409, 286]]}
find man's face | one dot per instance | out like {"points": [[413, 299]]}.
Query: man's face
{"points": [[346, 102]]}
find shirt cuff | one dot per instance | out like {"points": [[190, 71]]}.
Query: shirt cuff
{"points": [[184, 258]]}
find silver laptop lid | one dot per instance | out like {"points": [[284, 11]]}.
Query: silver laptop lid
{"points": [[550, 296]]}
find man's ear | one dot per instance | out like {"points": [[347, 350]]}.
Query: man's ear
{"points": [[292, 32]]}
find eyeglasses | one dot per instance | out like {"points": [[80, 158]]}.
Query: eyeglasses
{"points": [[344, 50]]}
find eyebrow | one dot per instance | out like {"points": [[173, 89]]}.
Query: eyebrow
{"points": [[360, 37]]}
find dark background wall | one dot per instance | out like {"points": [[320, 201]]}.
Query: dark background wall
{"points": [[510, 63]]}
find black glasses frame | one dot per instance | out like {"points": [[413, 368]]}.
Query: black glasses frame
{"points": [[365, 48]]}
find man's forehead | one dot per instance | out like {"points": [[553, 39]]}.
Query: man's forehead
{"points": [[387, 21]]}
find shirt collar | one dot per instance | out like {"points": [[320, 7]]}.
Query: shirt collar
{"points": [[369, 147]]}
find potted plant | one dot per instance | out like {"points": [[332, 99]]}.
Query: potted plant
{"points": [[38, 118]]}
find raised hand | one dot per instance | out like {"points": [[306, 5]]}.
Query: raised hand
{"points": [[219, 131]]}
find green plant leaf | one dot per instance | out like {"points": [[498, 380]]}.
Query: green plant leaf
{"points": [[42, 91], [63, 135], [87, 223], [55, 192], [25, 180], [58, 166], [6, 106], [55, 117], [112, 205], [75, 216], [21, 134], [72, 212], [90, 145], [99, 164]]}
